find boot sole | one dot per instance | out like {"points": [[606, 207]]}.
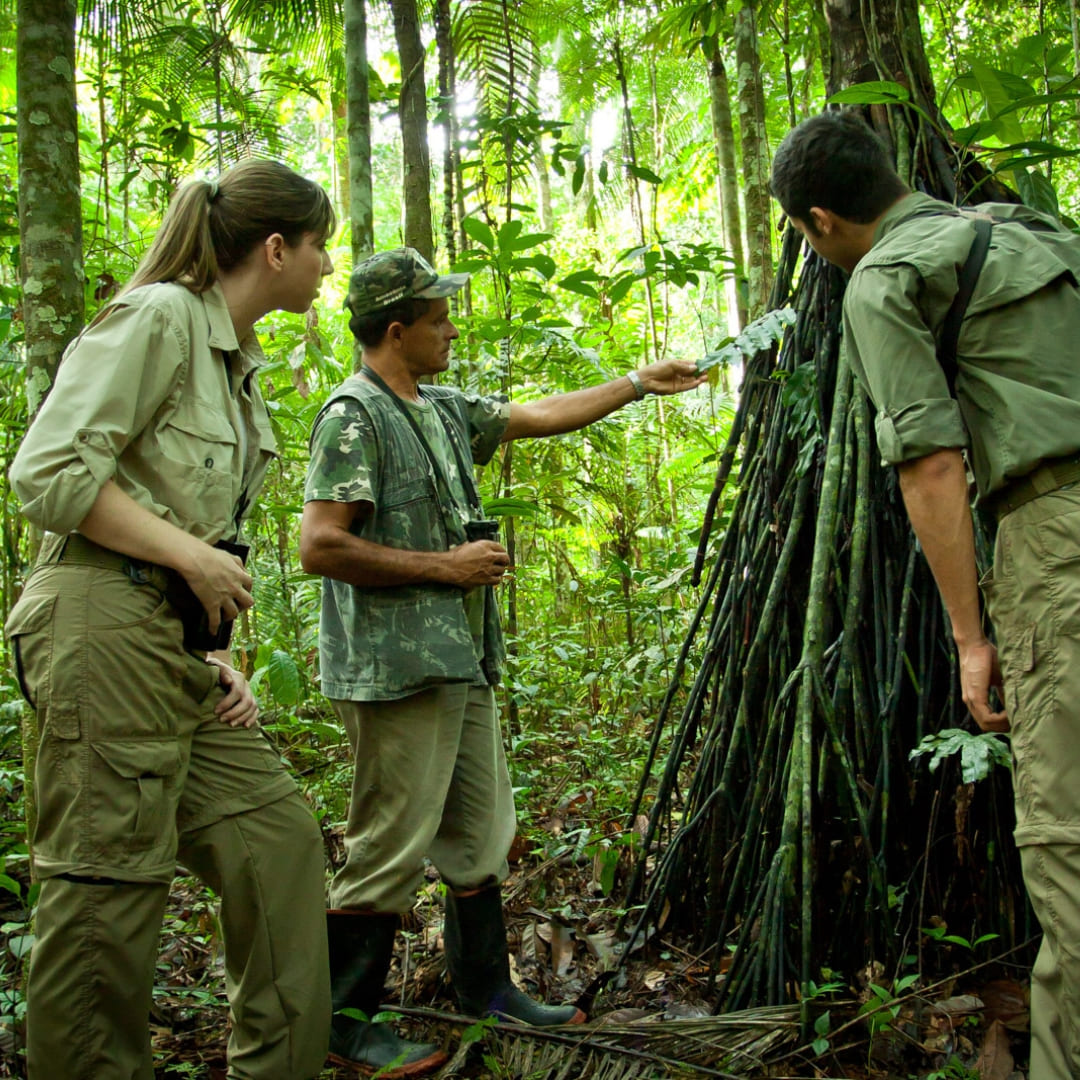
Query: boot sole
{"points": [[413, 1068]]}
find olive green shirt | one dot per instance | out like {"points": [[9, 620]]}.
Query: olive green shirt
{"points": [[1018, 388], [384, 643], [158, 395]]}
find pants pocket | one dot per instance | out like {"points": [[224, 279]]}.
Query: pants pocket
{"points": [[133, 783]]}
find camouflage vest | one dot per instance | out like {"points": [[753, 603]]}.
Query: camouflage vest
{"points": [[386, 643]]}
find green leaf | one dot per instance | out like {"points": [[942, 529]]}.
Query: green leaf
{"points": [[760, 334], [479, 232], [510, 507], [874, 92], [997, 97], [508, 232], [820, 1046], [579, 174], [644, 174], [577, 282], [822, 1024], [522, 243], [284, 678], [621, 286], [545, 264]]}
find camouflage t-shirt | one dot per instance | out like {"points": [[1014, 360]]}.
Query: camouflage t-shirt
{"points": [[378, 644]]}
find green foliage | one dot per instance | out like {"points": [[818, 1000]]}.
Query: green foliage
{"points": [[978, 753]]}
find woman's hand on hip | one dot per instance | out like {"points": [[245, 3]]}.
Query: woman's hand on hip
{"points": [[238, 708]]}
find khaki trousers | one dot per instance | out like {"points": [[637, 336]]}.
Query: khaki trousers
{"points": [[1033, 597], [133, 769], [430, 780]]}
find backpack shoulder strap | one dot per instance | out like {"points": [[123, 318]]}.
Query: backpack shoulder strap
{"points": [[954, 317]]}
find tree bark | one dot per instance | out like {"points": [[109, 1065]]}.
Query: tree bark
{"points": [[755, 161], [358, 112], [447, 104], [724, 133], [412, 110], [50, 208]]}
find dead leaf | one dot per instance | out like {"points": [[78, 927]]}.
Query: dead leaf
{"points": [[605, 948], [995, 1060], [1008, 1002], [961, 1005], [654, 978], [685, 1011], [562, 947], [531, 938], [624, 1016]]}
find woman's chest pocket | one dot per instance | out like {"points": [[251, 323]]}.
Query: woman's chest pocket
{"points": [[198, 462]]}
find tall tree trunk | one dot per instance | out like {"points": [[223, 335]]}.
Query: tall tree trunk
{"points": [[412, 110], [724, 133], [755, 160], [539, 159], [358, 113], [447, 104], [340, 109], [50, 208], [50, 223]]}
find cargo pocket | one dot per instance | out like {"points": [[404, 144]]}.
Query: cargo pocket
{"points": [[133, 793], [31, 615]]}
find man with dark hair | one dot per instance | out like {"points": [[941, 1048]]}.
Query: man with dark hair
{"points": [[1014, 415], [410, 643]]}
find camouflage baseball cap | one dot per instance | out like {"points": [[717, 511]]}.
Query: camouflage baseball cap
{"points": [[392, 276]]}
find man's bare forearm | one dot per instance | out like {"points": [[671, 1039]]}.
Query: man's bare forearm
{"points": [[935, 493]]}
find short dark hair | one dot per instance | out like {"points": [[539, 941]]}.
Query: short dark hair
{"points": [[837, 162], [370, 329]]}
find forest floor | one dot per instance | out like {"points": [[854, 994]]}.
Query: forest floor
{"points": [[651, 1017]]}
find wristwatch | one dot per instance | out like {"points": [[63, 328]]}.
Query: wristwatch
{"points": [[637, 384]]}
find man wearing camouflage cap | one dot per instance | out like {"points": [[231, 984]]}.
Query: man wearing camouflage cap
{"points": [[410, 643]]}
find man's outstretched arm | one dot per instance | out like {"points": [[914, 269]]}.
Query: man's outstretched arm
{"points": [[568, 412], [935, 493]]}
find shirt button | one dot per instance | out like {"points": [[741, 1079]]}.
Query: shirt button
{"points": [[209, 462]]}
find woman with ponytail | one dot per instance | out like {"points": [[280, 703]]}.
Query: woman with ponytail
{"points": [[140, 468]]}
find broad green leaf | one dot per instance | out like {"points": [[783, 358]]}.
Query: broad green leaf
{"points": [[579, 174], [524, 242], [644, 174], [875, 92], [479, 232], [998, 97], [508, 233], [621, 286], [1037, 191], [284, 678], [511, 507], [577, 282]]}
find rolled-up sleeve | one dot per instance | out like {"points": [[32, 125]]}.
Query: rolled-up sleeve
{"points": [[892, 353], [107, 389]]}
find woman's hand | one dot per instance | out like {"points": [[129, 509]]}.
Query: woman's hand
{"points": [[221, 584], [238, 708]]}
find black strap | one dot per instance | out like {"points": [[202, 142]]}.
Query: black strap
{"points": [[954, 317], [464, 470]]}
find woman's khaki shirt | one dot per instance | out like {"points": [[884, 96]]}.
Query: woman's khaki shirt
{"points": [[159, 396]]}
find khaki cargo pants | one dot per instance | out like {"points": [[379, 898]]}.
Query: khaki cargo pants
{"points": [[1033, 597], [134, 771], [430, 780]]}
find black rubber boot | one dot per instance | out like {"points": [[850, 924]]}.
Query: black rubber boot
{"points": [[361, 947], [479, 962]]}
